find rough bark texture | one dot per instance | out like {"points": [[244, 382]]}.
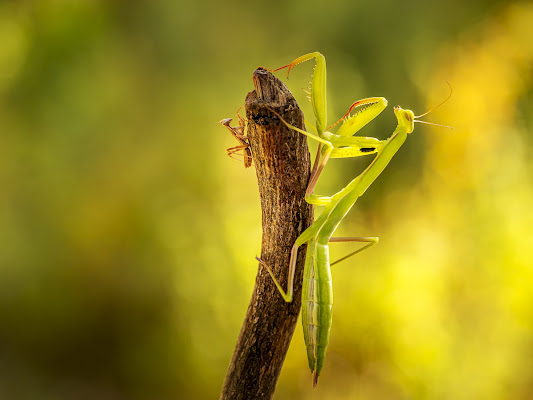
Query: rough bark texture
{"points": [[281, 159]]}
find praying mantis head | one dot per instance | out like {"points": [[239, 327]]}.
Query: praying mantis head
{"points": [[406, 118]]}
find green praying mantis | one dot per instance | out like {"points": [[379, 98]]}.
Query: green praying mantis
{"points": [[317, 294]]}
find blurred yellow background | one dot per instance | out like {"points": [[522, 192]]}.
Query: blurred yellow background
{"points": [[127, 236]]}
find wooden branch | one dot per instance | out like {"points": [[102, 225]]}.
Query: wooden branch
{"points": [[281, 159]]}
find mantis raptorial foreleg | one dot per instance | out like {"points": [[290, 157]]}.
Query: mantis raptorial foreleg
{"points": [[352, 146], [342, 143]]}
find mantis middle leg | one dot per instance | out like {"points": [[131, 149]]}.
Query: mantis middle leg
{"points": [[371, 241]]}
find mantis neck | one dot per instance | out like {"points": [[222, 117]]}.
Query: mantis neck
{"points": [[344, 200], [360, 184]]}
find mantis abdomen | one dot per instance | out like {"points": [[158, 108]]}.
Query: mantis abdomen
{"points": [[317, 300]]}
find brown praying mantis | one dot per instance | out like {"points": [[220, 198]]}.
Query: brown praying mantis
{"points": [[239, 133]]}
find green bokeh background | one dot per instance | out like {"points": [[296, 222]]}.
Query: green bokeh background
{"points": [[127, 236]]}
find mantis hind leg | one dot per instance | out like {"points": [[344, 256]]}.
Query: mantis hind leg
{"points": [[305, 237], [287, 296], [371, 241]]}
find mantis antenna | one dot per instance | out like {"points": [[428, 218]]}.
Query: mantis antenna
{"points": [[432, 109], [438, 105], [431, 123]]}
